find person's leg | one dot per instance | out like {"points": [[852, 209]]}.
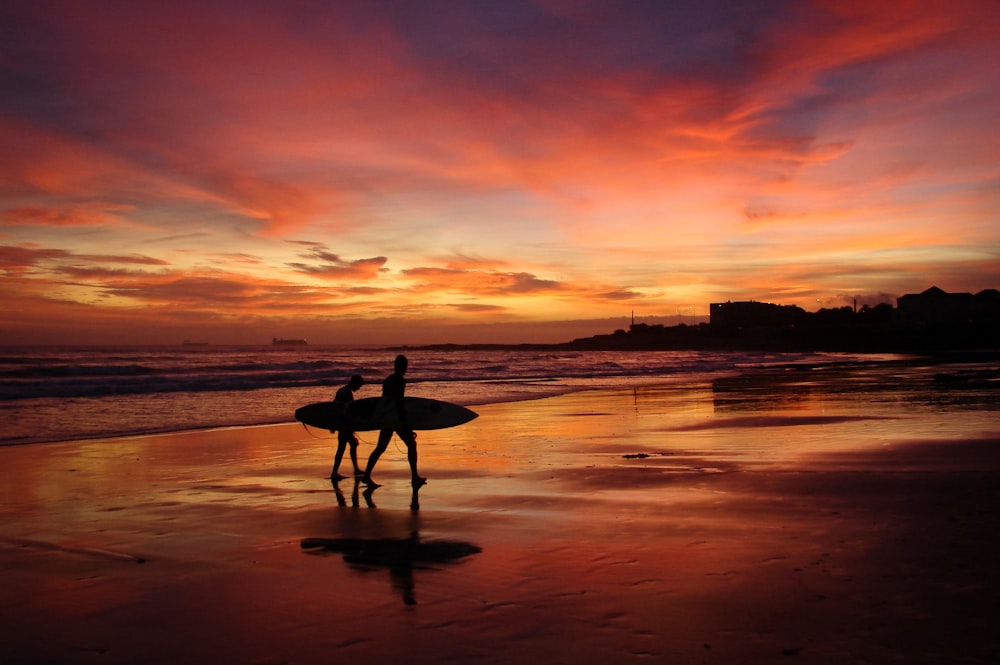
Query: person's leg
{"points": [[411, 456], [341, 446], [354, 453], [384, 437]]}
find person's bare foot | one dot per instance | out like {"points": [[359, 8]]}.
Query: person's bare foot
{"points": [[418, 481], [367, 480]]}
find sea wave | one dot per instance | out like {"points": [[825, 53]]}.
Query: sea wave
{"points": [[54, 375], [62, 393]]}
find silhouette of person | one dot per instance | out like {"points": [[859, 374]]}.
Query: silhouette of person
{"points": [[392, 401], [345, 436]]}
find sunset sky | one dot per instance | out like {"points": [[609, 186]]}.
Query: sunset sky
{"points": [[463, 171]]}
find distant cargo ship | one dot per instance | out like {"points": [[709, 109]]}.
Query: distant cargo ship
{"points": [[288, 342]]}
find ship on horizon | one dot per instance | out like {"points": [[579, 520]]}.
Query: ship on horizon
{"points": [[276, 341]]}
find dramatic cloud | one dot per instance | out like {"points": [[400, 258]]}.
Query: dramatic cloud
{"points": [[531, 160]]}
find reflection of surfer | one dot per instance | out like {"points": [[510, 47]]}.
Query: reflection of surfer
{"points": [[356, 495], [392, 402], [345, 437]]}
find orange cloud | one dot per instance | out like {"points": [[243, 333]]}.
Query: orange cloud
{"points": [[329, 265], [479, 282]]}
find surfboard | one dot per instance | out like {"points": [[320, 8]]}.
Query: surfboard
{"points": [[364, 415]]}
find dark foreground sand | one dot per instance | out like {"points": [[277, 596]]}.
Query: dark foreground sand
{"points": [[699, 524]]}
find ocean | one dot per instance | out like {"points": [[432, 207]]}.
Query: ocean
{"points": [[52, 394]]}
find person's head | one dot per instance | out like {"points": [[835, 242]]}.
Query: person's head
{"points": [[401, 364], [356, 382]]}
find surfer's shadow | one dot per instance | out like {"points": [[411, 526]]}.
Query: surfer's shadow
{"points": [[401, 556]]}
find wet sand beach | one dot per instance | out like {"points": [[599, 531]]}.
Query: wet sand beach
{"points": [[740, 521]]}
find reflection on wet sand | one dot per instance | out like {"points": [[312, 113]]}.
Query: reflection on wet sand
{"points": [[368, 495], [356, 494], [800, 387], [400, 555]]}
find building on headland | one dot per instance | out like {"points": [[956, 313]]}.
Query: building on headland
{"points": [[935, 307], [930, 321]]}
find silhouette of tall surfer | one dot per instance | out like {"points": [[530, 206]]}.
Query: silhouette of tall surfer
{"points": [[393, 389]]}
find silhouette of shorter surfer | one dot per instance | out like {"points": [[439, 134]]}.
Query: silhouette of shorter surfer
{"points": [[346, 437], [393, 389]]}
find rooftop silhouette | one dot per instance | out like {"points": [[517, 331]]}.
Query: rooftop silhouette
{"points": [[932, 320]]}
